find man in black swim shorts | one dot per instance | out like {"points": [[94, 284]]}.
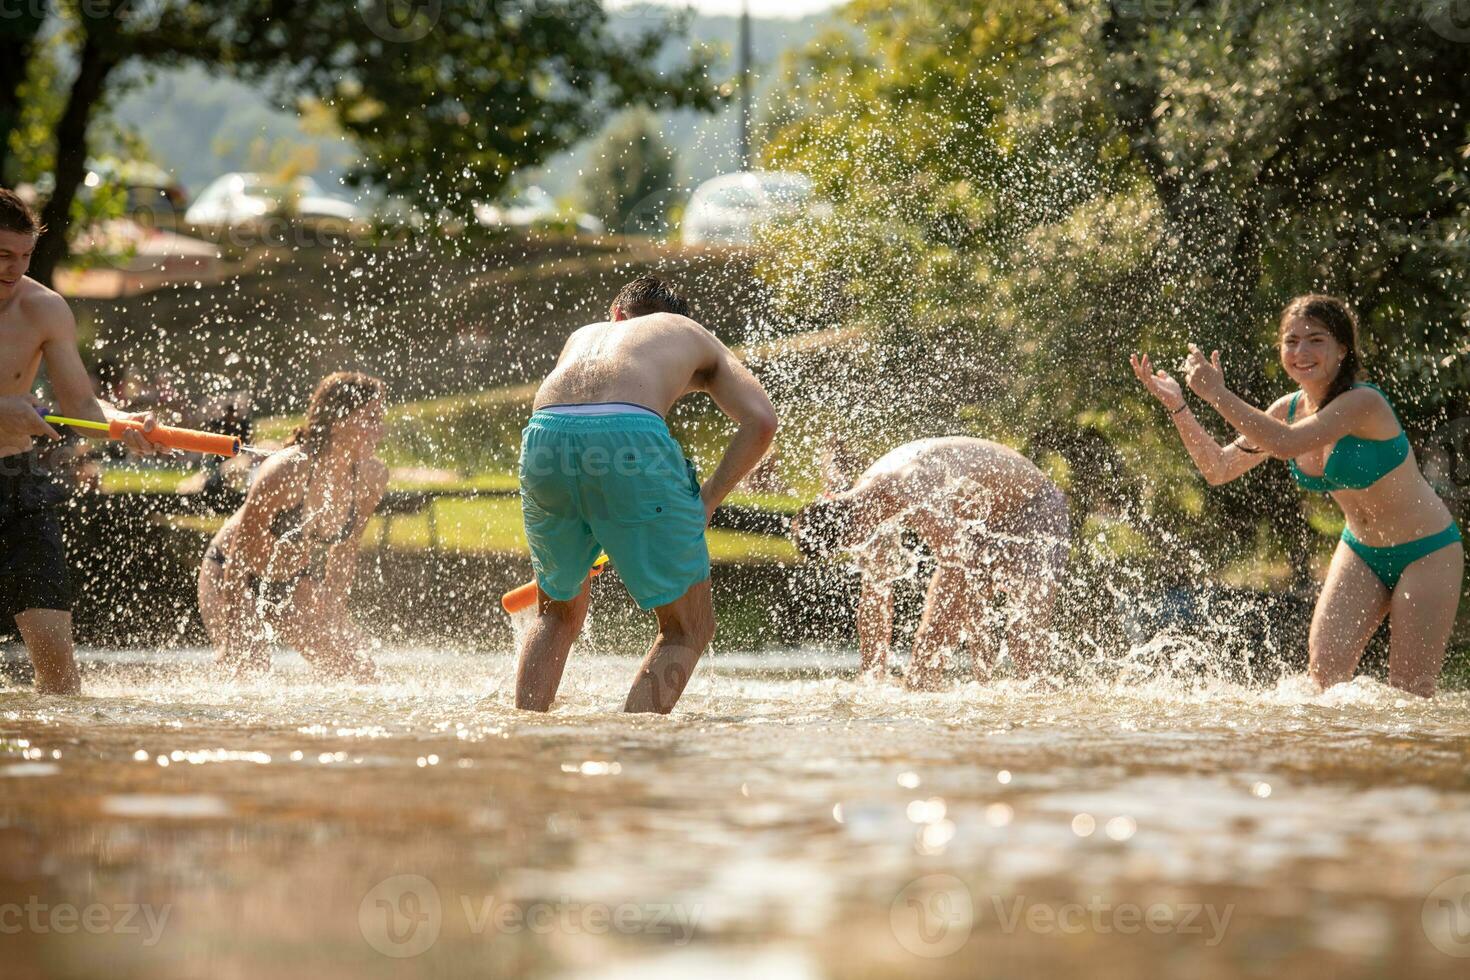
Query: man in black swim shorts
{"points": [[37, 327]]}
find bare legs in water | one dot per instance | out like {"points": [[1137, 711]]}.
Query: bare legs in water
{"points": [[686, 627]]}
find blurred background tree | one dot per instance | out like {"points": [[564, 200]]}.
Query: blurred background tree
{"points": [[631, 176], [1025, 192], [445, 100], [19, 30], [446, 115]]}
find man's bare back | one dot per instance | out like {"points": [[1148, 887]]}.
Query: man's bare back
{"points": [[937, 484], [650, 519], [989, 517], [651, 361]]}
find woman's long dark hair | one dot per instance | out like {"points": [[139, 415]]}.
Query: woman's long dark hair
{"points": [[1338, 319], [336, 397]]}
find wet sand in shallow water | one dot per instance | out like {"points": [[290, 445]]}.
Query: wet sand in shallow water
{"points": [[784, 821]]}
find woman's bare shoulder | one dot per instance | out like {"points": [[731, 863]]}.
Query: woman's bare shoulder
{"points": [[1279, 407], [280, 470]]}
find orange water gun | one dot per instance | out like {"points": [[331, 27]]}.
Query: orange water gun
{"points": [[523, 597], [188, 440]]}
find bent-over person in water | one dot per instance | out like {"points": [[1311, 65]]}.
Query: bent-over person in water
{"points": [[996, 526]]}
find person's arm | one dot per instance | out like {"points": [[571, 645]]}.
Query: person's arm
{"points": [[875, 625], [72, 385], [740, 396], [1216, 463], [18, 417], [342, 559], [1286, 440]]}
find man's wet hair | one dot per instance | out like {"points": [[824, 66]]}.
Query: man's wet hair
{"points": [[649, 294], [819, 528], [16, 215]]}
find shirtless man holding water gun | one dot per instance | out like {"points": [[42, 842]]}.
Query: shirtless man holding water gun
{"points": [[36, 327], [600, 472]]}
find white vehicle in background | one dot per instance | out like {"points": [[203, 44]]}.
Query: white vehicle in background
{"points": [[151, 195], [726, 210], [533, 207], [239, 199]]}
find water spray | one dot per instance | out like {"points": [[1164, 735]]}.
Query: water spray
{"points": [[523, 597]]}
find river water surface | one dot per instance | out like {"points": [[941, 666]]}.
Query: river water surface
{"points": [[786, 820]]}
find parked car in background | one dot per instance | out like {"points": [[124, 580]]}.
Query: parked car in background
{"points": [[154, 198], [151, 195], [532, 207], [244, 199], [726, 210]]}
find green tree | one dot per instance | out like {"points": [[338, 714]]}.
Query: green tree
{"points": [[19, 30], [466, 93], [1025, 192], [631, 176], [445, 98]]}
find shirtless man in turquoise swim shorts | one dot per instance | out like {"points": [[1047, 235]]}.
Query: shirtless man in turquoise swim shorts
{"points": [[600, 472]]}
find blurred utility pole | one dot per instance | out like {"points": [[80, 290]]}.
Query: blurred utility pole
{"points": [[745, 85]]}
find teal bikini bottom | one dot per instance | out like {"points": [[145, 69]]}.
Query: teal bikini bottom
{"points": [[1389, 563]]}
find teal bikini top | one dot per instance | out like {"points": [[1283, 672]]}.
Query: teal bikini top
{"points": [[1354, 463]]}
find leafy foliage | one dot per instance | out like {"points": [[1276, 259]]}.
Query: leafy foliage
{"points": [[446, 98], [1025, 192], [467, 93], [631, 175]]}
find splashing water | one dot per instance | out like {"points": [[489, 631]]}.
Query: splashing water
{"points": [[256, 451], [989, 278], [809, 809]]}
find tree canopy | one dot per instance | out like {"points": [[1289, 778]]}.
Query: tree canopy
{"points": [[1025, 192], [445, 98], [631, 175]]}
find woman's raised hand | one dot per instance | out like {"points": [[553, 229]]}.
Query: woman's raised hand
{"points": [[1159, 383], [1204, 375]]}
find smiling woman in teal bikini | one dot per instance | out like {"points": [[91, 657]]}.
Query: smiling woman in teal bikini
{"points": [[281, 568], [1400, 553]]}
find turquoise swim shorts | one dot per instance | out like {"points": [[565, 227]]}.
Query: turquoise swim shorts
{"points": [[615, 483]]}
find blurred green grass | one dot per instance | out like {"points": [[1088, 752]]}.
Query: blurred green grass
{"points": [[492, 525], [471, 442]]}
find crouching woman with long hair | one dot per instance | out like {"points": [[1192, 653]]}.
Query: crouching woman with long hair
{"points": [[281, 568]]}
